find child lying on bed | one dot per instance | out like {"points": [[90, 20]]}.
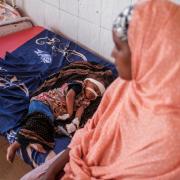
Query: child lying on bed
{"points": [[60, 104]]}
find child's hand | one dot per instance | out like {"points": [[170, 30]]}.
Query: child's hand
{"points": [[63, 117], [73, 126]]}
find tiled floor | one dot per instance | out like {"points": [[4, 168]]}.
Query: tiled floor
{"points": [[11, 171]]}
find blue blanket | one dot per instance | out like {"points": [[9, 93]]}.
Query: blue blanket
{"points": [[25, 69]]}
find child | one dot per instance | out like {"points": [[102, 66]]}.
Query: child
{"points": [[59, 104]]}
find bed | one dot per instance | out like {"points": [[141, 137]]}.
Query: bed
{"points": [[27, 59]]}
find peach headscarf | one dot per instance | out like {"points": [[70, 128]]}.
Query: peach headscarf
{"points": [[135, 133], [154, 39]]}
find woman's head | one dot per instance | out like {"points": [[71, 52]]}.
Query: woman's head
{"points": [[93, 88], [121, 52], [155, 60]]}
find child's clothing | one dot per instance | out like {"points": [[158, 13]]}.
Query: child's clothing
{"points": [[56, 98], [38, 106]]}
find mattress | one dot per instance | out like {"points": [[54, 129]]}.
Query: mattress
{"points": [[13, 41], [46, 52]]}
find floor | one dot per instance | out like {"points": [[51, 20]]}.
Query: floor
{"points": [[11, 171]]}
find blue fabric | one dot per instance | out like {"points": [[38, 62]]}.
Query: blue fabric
{"points": [[38, 106], [21, 73], [25, 69]]}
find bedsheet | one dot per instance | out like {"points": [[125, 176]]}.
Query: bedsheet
{"points": [[28, 58]]}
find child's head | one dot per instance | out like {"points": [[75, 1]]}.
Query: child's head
{"points": [[93, 88]]}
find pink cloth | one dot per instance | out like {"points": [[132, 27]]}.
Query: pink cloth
{"points": [[135, 133]]}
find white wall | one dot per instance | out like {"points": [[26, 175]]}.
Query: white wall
{"points": [[88, 22], [175, 1]]}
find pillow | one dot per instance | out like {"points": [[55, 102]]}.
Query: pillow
{"points": [[7, 12]]}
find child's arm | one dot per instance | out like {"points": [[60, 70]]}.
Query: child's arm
{"points": [[70, 98], [79, 112], [11, 151]]}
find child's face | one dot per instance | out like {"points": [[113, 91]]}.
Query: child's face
{"points": [[91, 91]]}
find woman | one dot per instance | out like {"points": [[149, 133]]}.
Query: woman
{"points": [[134, 134]]}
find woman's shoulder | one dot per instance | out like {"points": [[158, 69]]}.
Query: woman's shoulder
{"points": [[115, 85], [115, 89]]}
